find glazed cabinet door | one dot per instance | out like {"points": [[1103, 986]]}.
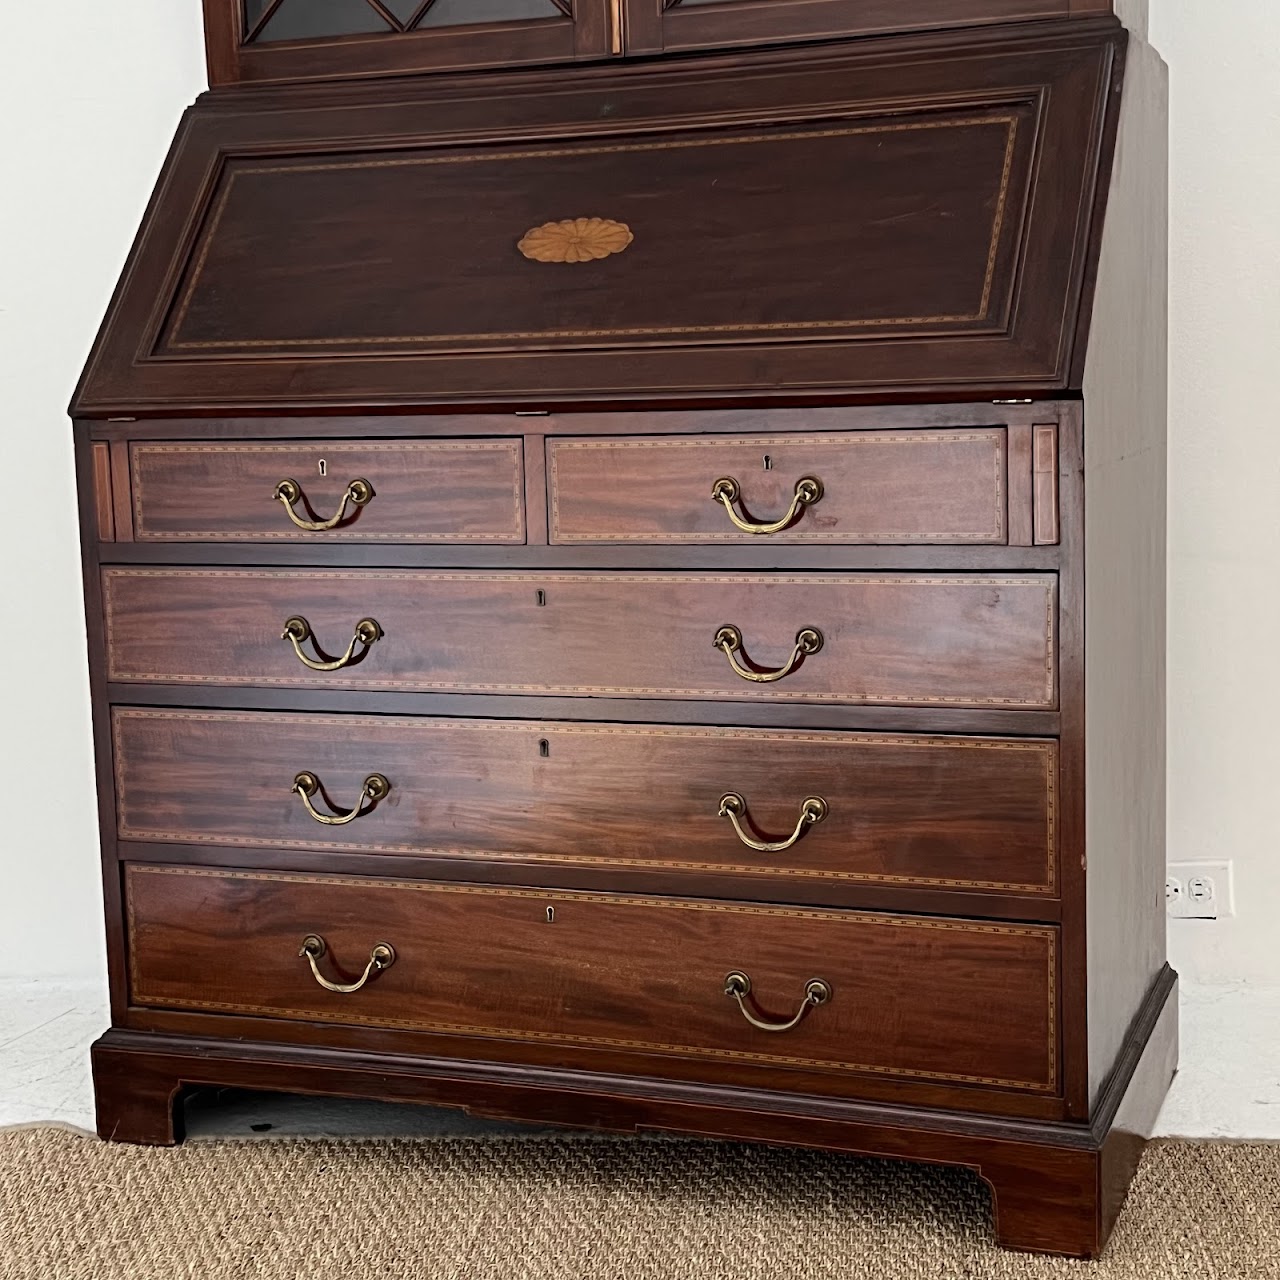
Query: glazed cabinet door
{"points": [[274, 40], [658, 26]]}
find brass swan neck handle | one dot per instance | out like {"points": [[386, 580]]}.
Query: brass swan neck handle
{"points": [[727, 491], [289, 494], [297, 630], [383, 956], [729, 640], [375, 788], [734, 807], [737, 985]]}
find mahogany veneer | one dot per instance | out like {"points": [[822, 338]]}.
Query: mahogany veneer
{"points": [[965, 640], [973, 281], [420, 491], [632, 596], [243, 47], [879, 486], [604, 794], [484, 961]]}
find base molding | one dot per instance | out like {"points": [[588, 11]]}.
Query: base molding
{"points": [[1057, 1188]]}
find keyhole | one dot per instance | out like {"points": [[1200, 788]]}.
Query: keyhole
{"points": [[323, 466], [551, 915], [768, 462], [542, 598], [544, 748]]}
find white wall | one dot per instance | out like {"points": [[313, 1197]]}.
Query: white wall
{"points": [[1224, 468], [87, 121], [87, 118]]}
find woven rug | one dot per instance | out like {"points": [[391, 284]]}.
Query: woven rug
{"points": [[569, 1209]]}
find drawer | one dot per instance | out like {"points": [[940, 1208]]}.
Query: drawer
{"points": [[906, 996], [977, 813], [959, 640], [383, 491], [833, 487]]}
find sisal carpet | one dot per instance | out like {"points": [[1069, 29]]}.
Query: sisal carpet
{"points": [[73, 1208]]}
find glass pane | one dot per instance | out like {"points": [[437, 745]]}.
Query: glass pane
{"points": [[253, 10], [306, 19], [456, 13], [403, 9]]}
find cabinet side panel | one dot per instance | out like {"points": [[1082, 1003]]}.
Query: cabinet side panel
{"points": [[86, 473], [1126, 400]]}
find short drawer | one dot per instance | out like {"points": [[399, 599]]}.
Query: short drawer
{"points": [[937, 486], [957, 640], [322, 490], [867, 993], [894, 809]]}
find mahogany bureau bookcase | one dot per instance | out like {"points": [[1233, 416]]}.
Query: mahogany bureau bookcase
{"points": [[624, 550]]}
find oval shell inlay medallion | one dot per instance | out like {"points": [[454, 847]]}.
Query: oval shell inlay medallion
{"points": [[575, 240]]}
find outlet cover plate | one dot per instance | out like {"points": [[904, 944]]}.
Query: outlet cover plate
{"points": [[1204, 890]]}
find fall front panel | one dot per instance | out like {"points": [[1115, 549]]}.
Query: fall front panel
{"points": [[688, 238]]}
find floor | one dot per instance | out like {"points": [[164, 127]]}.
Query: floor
{"points": [[73, 1208], [1228, 1085]]}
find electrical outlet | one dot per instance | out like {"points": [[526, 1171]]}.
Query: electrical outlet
{"points": [[1198, 890]]}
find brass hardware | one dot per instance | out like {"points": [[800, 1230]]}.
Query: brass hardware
{"points": [[734, 807], [575, 240], [289, 492], [383, 956], [615, 27], [729, 640], [297, 631], [726, 491], [375, 788], [738, 986]]}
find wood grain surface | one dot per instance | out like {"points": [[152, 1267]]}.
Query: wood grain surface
{"points": [[959, 640], [972, 813], [423, 491], [876, 487], [511, 35], [631, 973], [950, 256]]}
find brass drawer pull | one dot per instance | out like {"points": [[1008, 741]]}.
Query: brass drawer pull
{"points": [[734, 807], [375, 788], [738, 985], [289, 492], [727, 491], [298, 631], [383, 956], [729, 639]]}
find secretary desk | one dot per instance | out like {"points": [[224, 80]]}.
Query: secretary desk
{"points": [[624, 558]]}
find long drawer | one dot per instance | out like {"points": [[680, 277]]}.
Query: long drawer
{"points": [[975, 813], [827, 487], [327, 490], [876, 994], [958, 640]]}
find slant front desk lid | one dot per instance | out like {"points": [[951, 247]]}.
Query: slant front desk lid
{"points": [[896, 219]]}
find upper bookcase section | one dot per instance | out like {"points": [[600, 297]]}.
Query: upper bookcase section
{"points": [[266, 41], [884, 219]]}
